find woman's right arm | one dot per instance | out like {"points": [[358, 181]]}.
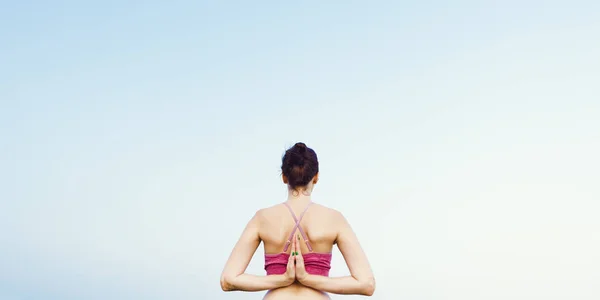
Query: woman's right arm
{"points": [[361, 281], [234, 277], [253, 283]]}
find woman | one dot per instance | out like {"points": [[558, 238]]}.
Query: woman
{"points": [[298, 237]]}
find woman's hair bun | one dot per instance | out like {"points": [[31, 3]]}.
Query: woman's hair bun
{"points": [[300, 147]]}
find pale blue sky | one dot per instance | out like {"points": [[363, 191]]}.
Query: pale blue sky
{"points": [[460, 140]]}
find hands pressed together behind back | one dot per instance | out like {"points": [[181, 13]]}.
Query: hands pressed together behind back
{"points": [[295, 270]]}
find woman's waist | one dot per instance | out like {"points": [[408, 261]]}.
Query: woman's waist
{"points": [[296, 291]]}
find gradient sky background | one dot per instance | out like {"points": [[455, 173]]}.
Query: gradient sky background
{"points": [[460, 140]]}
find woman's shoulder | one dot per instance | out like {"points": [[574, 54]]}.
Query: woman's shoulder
{"points": [[327, 210]]}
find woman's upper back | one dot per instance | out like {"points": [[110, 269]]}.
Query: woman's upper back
{"points": [[320, 224], [316, 226]]}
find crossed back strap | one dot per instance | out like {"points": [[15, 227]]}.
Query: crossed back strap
{"points": [[297, 226]]}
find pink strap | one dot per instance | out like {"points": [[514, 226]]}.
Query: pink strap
{"points": [[304, 236]]}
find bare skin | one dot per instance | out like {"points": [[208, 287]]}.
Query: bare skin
{"points": [[324, 226]]}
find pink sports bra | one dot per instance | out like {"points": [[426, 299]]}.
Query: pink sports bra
{"points": [[315, 263]]}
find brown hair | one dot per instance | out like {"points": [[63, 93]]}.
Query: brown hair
{"points": [[299, 164]]}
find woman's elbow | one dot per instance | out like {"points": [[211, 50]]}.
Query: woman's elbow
{"points": [[226, 285], [368, 288]]}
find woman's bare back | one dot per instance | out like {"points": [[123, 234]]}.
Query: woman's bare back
{"points": [[321, 225]]}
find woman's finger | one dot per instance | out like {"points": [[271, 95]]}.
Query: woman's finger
{"points": [[293, 251], [299, 257]]}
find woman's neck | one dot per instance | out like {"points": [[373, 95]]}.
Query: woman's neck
{"points": [[301, 196]]}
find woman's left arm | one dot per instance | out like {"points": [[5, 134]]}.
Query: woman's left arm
{"points": [[360, 282], [233, 277]]}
